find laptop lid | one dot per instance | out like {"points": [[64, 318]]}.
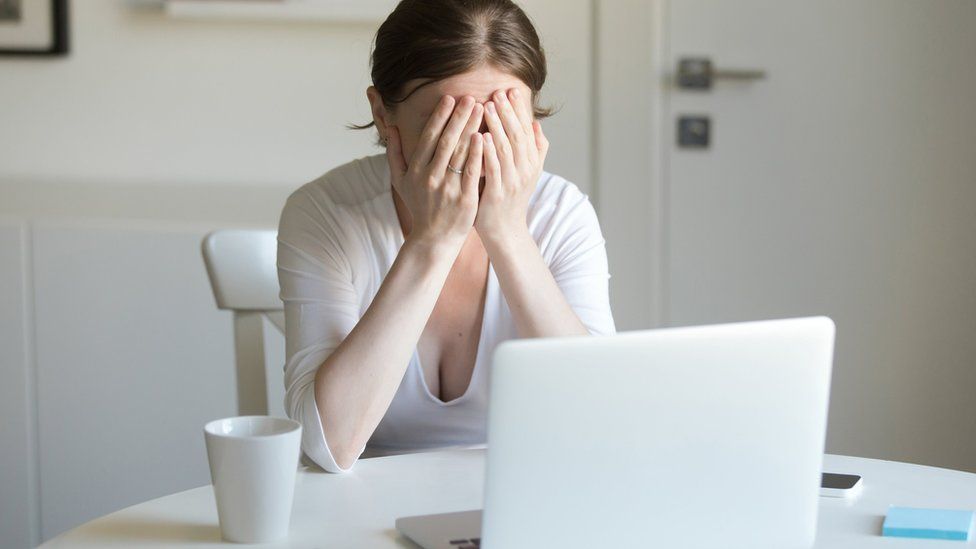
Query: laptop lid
{"points": [[687, 437]]}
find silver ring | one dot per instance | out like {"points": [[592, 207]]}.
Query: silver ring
{"points": [[454, 170]]}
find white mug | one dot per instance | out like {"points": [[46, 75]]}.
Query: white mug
{"points": [[253, 465]]}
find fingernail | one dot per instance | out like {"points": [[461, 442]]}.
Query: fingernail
{"points": [[490, 107], [515, 93]]}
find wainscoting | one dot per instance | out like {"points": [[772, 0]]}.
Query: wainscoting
{"points": [[113, 352]]}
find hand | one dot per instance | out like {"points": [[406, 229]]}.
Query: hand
{"points": [[515, 150], [442, 204]]}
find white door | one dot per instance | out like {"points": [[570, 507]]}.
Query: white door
{"points": [[843, 183]]}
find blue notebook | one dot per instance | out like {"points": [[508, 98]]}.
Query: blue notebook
{"points": [[911, 522]]}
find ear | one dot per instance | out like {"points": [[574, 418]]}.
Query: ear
{"points": [[381, 116]]}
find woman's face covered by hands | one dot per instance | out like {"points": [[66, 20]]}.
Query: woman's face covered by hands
{"points": [[411, 116]]}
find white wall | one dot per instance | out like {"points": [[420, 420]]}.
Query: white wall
{"points": [[629, 80], [144, 98]]}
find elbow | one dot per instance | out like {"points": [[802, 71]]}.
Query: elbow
{"points": [[331, 457], [332, 451], [322, 447], [344, 458]]}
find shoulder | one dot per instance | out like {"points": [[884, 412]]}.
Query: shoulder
{"points": [[355, 182], [564, 224], [332, 207], [558, 202]]}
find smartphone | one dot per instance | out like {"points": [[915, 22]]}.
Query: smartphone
{"points": [[836, 485]]}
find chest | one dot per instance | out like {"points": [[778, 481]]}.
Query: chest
{"points": [[448, 346]]}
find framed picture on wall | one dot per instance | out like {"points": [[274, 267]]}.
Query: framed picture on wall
{"points": [[33, 27]]}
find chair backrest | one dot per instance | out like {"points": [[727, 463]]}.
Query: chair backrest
{"points": [[242, 268]]}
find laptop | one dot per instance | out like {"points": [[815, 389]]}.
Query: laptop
{"points": [[708, 436]]}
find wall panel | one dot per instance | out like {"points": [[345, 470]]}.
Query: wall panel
{"points": [[16, 434], [132, 358]]}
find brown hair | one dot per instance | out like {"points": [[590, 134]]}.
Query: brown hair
{"points": [[436, 39]]}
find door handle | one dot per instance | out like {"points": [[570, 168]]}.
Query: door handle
{"points": [[698, 73]]}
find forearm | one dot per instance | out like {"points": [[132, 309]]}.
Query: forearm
{"points": [[355, 385], [538, 305]]}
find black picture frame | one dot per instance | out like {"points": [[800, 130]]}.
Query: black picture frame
{"points": [[59, 35]]}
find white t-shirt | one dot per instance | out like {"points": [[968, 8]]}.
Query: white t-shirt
{"points": [[337, 240]]}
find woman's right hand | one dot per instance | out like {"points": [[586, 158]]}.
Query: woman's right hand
{"points": [[442, 204]]}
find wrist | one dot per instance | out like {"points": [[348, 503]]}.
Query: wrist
{"points": [[506, 240], [432, 248]]}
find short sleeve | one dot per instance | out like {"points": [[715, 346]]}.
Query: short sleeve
{"points": [[321, 308], [578, 260]]}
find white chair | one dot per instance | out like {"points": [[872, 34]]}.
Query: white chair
{"points": [[242, 268]]}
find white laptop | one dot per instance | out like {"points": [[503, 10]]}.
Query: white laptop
{"points": [[708, 436]]}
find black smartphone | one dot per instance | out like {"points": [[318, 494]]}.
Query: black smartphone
{"points": [[839, 485]]}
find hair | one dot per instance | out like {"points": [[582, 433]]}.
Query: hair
{"points": [[435, 39]]}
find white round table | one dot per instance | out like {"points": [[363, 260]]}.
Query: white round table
{"points": [[358, 509]]}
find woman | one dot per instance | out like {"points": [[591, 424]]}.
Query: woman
{"points": [[401, 272]]}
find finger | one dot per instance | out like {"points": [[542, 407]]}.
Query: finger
{"points": [[472, 166], [542, 142], [460, 155], [394, 155], [448, 140], [513, 126], [503, 148], [493, 169], [432, 131], [394, 151], [523, 109]]}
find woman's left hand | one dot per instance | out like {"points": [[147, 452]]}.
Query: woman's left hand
{"points": [[514, 151]]}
